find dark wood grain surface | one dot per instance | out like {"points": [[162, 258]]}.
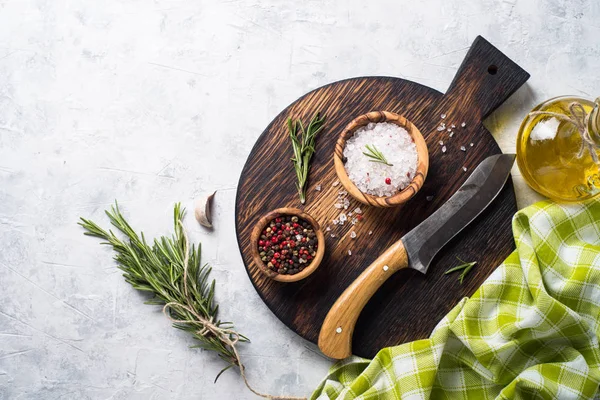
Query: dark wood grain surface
{"points": [[410, 304]]}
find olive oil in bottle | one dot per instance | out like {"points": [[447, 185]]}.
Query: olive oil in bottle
{"points": [[558, 148]]}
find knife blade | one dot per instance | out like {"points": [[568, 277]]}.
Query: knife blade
{"points": [[415, 250]]}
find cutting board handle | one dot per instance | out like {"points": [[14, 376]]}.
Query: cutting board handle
{"points": [[485, 79]]}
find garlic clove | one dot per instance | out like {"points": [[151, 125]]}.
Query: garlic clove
{"points": [[202, 211]]}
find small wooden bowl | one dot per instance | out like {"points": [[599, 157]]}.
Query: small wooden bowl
{"points": [[310, 268], [422, 159]]}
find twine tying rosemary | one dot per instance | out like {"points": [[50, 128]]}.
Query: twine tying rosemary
{"points": [[228, 336], [580, 119]]}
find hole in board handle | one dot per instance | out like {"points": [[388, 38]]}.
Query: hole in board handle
{"points": [[492, 69]]}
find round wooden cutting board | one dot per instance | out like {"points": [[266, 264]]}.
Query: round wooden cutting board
{"points": [[409, 304]]}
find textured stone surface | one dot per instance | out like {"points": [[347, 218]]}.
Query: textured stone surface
{"points": [[153, 102]]}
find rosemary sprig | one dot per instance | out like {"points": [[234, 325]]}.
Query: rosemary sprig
{"points": [[466, 267], [375, 155], [159, 269], [304, 148]]}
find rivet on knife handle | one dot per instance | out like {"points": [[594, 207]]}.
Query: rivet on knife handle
{"points": [[335, 338]]}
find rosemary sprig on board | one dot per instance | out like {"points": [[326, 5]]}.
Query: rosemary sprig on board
{"points": [[466, 267], [375, 155], [304, 148], [186, 294]]}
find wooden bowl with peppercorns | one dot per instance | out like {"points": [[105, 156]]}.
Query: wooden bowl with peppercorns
{"points": [[381, 144], [287, 245]]}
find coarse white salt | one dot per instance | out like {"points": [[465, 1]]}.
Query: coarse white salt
{"points": [[334, 184], [328, 229], [471, 145], [465, 169], [398, 148], [443, 116], [463, 124], [451, 133], [349, 252], [318, 188], [343, 218], [352, 234], [370, 232], [462, 148], [357, 210], [443, 149], [441, 142]]}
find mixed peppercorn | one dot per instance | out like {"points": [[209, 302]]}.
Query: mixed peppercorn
{"points": [[287, 245]]}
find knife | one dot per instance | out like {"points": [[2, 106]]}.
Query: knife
{"points": [[415, 250]]}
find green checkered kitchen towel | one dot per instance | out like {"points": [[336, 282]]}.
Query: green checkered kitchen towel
{"points": [[529, 332]]}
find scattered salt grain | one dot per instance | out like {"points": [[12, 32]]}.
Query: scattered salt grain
{"points": [[462, 148], [443, 149], [441, 142], [335, 222], [449, 129], [338, 205], [333, 235], [451, 134], [298, 237], [358, 210], [318, 188], [471, 145], [349, 252], [463, 124], [443, 116], [354, 221], [429, 198], [453, 126], [335, 183], [328, 229], [398, 147], [343, 218], [352, 234], [465, 169], [370, 232]]}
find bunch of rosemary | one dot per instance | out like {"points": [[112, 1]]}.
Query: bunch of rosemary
{"points": [[304, 148], [170, 269]]}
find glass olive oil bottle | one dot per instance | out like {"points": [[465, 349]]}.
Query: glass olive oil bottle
{"points": [[558, 148]]}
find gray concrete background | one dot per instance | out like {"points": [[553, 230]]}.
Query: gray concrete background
{"points": [[156, 101]]}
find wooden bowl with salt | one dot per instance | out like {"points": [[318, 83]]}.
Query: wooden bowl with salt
{"points": [[264, 221], [418, 179]]}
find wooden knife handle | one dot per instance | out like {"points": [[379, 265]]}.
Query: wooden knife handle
{"points": [[335, 338]]}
